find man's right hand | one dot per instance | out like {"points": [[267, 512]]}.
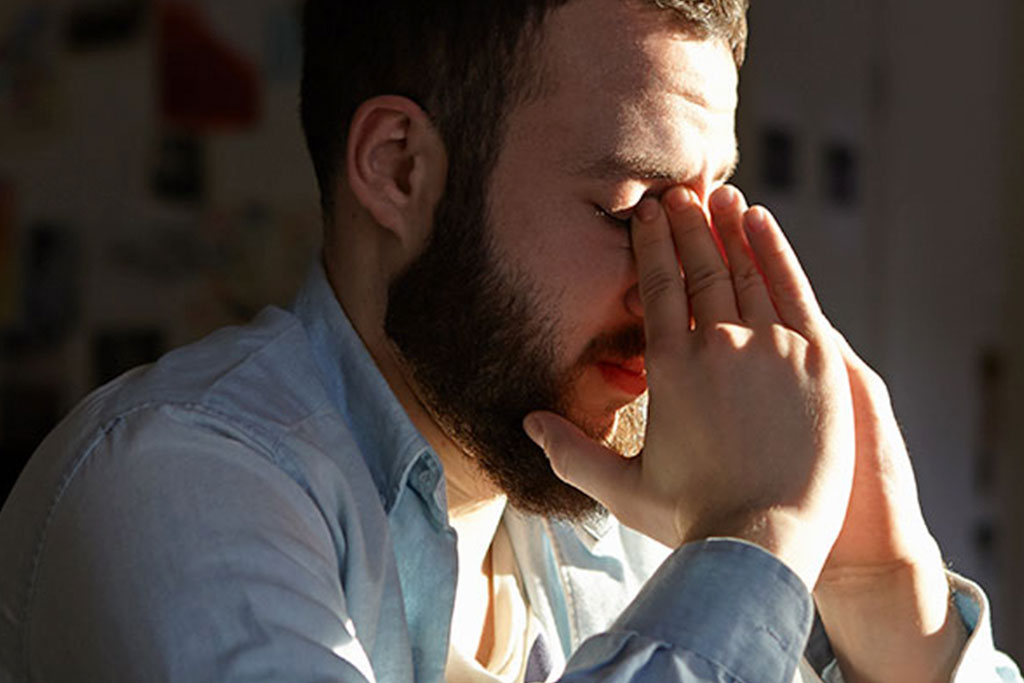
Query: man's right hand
{"points": [[750, 431]]}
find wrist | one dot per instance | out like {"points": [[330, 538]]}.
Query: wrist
{"points": [[919, 585], [781, 533], [893, 621]]}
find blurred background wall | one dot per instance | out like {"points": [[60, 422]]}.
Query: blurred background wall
{"points": [[1010, 468], [154, 186], [888, 136]]}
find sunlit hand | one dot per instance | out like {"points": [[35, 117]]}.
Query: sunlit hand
{"points": [[884, 527], [883, 594], [750, 429]]}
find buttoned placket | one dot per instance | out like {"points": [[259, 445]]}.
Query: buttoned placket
{"points": [[427, 479]]}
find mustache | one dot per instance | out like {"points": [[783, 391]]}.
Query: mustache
{"points": [[621, 344]]}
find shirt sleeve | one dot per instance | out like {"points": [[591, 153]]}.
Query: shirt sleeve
{"points": [[156, 566], [979, 662], [716, 610]]}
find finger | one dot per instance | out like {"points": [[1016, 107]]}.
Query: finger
{"points": [[850, 356], [598, 471], [788, 285], [751, 291], [868, 387], [661, 287], [708, 283]]}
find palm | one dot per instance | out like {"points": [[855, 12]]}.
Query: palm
{"points": [[884, 526]]}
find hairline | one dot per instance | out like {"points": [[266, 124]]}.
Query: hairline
{"points": [[531, 79]]}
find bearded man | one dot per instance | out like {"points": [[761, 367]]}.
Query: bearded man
{"points": [[554, 404]]}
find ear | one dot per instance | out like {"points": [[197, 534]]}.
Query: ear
{"points": [[396, 166]]}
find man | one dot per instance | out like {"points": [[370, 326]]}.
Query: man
{"points": [[351, 490]]}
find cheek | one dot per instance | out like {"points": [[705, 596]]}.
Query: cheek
{"points": [[582, 291], [584, 264], [595, 272], [580, 268]]}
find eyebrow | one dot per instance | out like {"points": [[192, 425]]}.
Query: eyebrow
{"points": [[615, 167]]}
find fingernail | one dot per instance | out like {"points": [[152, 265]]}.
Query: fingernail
{"points": [[723, 198], [647, 210], [756, 220], [680, 198], [534, 429]]}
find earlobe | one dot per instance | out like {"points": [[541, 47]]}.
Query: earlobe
{"points": [[395, 165]]}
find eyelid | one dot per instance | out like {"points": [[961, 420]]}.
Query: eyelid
{"points": [[625, 215], [623, 221]]}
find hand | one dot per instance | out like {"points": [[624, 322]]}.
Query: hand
{"points": [[883, 595], [884, 528], [750, 429]]}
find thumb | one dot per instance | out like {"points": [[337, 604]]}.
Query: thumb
{"points": [[580, 461]]}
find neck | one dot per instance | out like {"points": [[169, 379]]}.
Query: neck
{"points": [[474, 507], [467, 487]]}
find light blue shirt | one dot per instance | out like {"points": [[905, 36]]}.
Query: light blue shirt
{"points": [[258, 507]]}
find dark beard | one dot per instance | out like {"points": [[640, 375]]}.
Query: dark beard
{"points": [[483, 357]]}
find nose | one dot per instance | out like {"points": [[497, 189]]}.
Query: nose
{"points": [[633, 302]]}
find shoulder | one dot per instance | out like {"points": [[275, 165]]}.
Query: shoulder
{"points": [[243, 401], [251, 385], [163, 539], [263, 373], [214, 477]]}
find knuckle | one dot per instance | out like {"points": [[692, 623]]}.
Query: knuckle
{"points": [[716, 335], [873, 383], [801, 355], [821, 361], [789, 290], [747, 280], [701, 280], [656, 284], [724, 338], [783, 338]]}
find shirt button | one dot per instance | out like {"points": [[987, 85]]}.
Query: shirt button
{"points": [[427, 479]]}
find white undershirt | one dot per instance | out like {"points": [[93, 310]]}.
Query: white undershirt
{"points": [[514, 625]]}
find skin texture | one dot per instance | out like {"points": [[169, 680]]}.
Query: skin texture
{"points": [[762, 424], [522, 304], [767, 363], [484, 353]]}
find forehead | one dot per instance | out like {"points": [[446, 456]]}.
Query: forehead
{"points": [[626, 82]]}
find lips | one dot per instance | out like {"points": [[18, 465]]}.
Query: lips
{"points": [[629, 376]]}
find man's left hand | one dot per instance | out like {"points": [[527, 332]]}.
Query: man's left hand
{"points": [[884, 526], [883, 594]]}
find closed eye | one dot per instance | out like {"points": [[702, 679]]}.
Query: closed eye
{"points": [[623, 223]]}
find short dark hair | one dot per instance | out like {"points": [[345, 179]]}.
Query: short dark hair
{"points": [[465, 62]]}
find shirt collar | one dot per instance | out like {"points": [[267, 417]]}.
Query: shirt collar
{"points": [[389, 441]]}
